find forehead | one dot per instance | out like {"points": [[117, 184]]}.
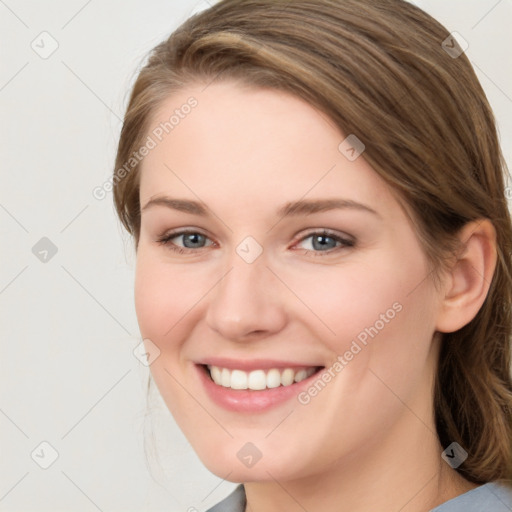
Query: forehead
{"points": [[245, 143]]}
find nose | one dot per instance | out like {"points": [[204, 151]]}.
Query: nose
{"points": [[246, 303]]}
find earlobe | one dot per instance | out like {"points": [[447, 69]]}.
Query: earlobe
{"points": [[467, 283]]}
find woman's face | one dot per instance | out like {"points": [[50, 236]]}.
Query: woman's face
{"points": [[296, 258]]}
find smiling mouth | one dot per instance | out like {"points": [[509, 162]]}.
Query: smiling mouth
{"points": [[258, 380]]}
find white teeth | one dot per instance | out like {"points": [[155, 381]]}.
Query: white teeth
{"points": [[216, 374], [258, 379], [304, 374], [225, 378], [300, 375], [287, 377], [273, 378], [238, 379]]}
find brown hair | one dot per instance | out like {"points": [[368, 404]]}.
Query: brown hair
{"points": [[379, 70]]}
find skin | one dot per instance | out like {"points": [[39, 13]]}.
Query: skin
{"points": [[367, 441]]}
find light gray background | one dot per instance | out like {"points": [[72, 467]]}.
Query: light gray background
{"points": [[68, 325]]}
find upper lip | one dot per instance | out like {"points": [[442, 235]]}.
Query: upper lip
{"points": [[254, 364]]}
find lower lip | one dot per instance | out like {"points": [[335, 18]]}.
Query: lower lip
{"points": [[245, 400]]}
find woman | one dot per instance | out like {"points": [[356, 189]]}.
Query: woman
{"points": [[316, 195]]}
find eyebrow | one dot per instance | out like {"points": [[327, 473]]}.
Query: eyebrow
{"points": [[300, 207]]}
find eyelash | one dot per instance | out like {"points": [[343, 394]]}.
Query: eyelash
{"points": [[345, 243]]}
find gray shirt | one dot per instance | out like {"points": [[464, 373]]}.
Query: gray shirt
{"points": [[490, 497]]}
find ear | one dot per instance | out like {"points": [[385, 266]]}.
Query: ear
{"points": [[467, 283]]}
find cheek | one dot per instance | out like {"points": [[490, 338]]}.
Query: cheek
{"points": [[378, 317], [361, 299], [387, 327], [164, 295], [151, 298], [164, 303]]}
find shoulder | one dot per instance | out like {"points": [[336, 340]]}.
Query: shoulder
{"points": [[235, 502], [490, 497]]}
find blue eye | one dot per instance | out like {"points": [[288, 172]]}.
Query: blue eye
{"points": [[322, 242], [191, 240]]}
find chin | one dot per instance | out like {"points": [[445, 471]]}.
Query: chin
{"points": [[239, 462]]}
